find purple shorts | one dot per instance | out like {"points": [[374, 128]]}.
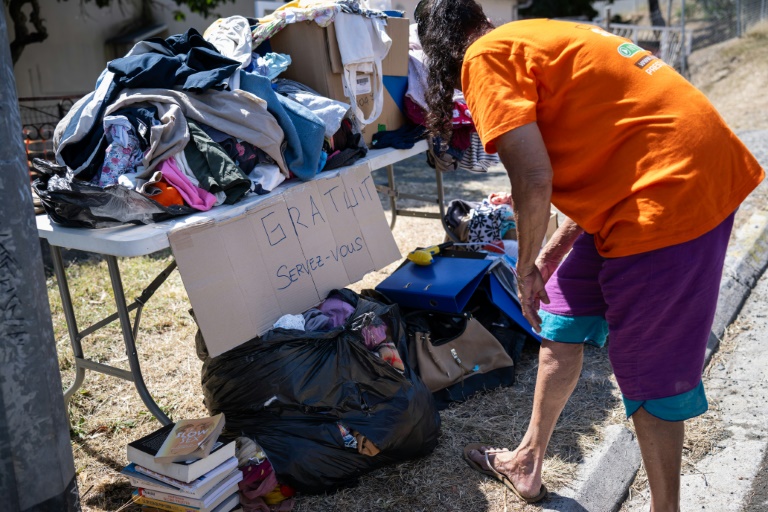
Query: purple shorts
{"points": [[658, 309]]}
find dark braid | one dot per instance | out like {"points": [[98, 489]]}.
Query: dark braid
{"points": [[446, 29]]}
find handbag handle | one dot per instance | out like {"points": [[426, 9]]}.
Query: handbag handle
{"points": [[427, 342]]}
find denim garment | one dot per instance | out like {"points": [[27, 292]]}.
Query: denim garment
{"points": [[80, 135], [304, 131]]}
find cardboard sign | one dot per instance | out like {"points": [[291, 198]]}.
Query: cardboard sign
{"points": [[282, 256]]}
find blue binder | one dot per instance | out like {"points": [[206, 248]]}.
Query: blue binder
{"points": [[445, 285], [510, 305]]}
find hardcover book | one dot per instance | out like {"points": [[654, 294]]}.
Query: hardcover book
{"points": [[148, 479], [227, 503], [142, 453], [190, 439], [211, 500]]}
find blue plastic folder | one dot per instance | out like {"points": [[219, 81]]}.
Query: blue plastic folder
{"points": [[445, 285], [509, 305]]}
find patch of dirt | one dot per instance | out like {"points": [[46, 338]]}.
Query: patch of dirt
{"points": [[733, 75]]}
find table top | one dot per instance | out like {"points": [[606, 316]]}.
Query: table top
{"points": [[138, 240]]}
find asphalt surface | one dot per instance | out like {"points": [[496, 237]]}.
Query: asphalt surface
{"points": [[758, 496]]}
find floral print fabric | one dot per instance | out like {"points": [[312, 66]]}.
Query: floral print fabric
{"points": [[122, 155]]}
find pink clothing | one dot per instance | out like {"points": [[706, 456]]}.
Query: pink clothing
{"points": [[337, 310], [194, 196]]}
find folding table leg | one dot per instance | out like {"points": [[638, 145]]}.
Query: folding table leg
{"points": [[69, 315], [441, 205], [391, 191], [392, 197], [130, 341], [129, 334]]}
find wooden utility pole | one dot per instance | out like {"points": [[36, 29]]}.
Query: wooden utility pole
{"points": [[37, 472]]}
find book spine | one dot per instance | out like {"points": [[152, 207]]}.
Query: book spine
{"points": [[170, 497], [138, 482], [163, 505], [167, 479]]}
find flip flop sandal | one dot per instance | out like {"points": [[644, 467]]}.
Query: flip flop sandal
{"points": [[492, 473]]}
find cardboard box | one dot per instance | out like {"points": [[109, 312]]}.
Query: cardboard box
{"points": [[316, 62], [282, 256]]}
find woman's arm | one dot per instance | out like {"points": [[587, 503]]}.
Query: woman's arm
{"points": [[525, 157], [558, 246]]}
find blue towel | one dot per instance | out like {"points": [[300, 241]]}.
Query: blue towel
{"points": [[304, 131]]}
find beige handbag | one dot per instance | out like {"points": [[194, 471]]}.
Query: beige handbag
{"points": [[446, 358]]}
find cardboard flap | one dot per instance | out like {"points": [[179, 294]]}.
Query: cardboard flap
{"points": [[333, 49], [366, 205], [445, 285], [282, 256]]}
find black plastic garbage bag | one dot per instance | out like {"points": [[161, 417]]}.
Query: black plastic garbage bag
{"points": [[289, 389], [75, 203]]}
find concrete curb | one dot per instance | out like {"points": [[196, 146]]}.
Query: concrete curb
{"points": [[723, 479], [744, 264], [604, 478]]}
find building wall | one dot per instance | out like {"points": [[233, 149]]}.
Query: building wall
{"points": [[75, 53], [500, 11]]}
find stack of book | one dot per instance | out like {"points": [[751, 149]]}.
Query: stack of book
{"points": [[185, 467]]}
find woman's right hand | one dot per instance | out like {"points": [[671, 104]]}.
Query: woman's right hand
{"points": [[531, 292]]}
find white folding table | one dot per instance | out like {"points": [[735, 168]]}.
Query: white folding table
{"points": [[139, 240]]}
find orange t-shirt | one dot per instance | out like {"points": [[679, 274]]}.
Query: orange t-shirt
{"points": [[641, 159]]}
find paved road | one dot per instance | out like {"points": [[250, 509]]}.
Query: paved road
{"points": [[723, 479], [758, 499]]}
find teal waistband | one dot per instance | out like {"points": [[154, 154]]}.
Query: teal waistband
{"points": [[574, 329], [672, 408]]}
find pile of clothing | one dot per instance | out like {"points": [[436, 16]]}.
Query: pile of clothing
{"points": [[198, 120], [487, 225], [464, 150]]}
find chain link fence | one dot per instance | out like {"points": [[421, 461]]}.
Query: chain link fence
{"points": [[688, 25]]}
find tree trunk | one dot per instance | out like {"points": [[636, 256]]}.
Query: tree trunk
{"points": [[657, 19], [22, 35], [37, 472]]}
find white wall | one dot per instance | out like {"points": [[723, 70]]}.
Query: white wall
{"points": [[500, 11], [73, 56], [75, 53]]}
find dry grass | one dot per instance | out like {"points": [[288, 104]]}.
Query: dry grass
{"points": [[106, 413]]}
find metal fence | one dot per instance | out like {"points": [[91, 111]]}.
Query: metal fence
{"points": [[689, 25], [39, 117]]}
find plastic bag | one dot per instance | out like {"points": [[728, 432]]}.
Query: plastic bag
{"points": [[293, 391], [75, 203]]}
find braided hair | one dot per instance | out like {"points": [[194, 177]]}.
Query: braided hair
{"points": [[446, 28]]}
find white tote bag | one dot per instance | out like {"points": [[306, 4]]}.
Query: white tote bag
{"points": [[363, 44]]}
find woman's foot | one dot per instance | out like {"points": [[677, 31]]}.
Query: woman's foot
{"points": [[519, 468]]}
